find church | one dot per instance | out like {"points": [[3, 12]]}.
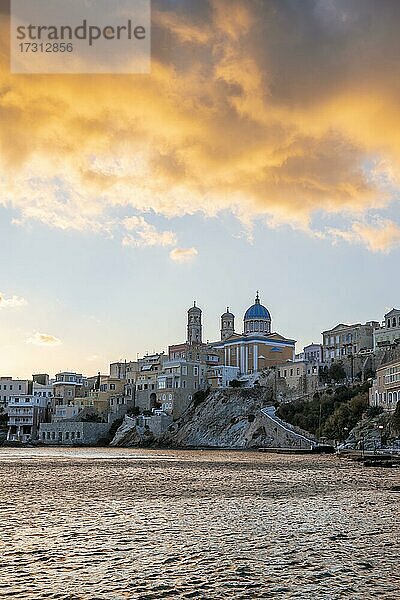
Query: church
{"points": [[255, 349]]}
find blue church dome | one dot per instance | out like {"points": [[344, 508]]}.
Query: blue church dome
{"points": [[257, 311]]}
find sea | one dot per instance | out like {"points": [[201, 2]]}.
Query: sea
{"points": [[117, 524]]}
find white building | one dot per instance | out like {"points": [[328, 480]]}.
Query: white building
{"points": [[25, 413], [313, 353], [10, 387], [67, 386], [43, 391], [389, 332], [221, 376]]}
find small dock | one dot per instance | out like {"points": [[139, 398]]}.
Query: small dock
{"points": [[373, 459], [317, 449]]}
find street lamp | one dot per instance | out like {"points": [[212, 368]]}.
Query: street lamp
{"points": [[380, 427]]}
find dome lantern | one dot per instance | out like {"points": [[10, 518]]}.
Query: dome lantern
{"points": [[257, 318]]}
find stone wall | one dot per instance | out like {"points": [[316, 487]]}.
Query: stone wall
{"points": [[70, 433]]}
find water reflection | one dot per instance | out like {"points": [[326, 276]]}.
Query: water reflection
{"points": [[117, 524]]}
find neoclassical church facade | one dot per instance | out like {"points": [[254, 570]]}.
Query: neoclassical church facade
{"points": [[255, 349]]}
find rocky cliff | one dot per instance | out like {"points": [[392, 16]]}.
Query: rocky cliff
{"points": [[232, 418], [128, 434]]}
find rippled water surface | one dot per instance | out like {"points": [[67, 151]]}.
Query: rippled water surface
{"points": [[116, 524]]}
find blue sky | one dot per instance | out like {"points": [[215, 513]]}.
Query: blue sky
{"points": [[262, 152], [105, 301]]}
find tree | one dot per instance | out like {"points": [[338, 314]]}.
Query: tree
{"points": [[345, 416], [329, 413], [337, 372]]}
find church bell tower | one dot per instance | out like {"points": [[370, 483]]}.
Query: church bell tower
{"points": [[227, 325], [194, 327]]}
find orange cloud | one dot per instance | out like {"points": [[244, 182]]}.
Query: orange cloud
{"points": [[250, 107], [43, 339], [382, 236]]}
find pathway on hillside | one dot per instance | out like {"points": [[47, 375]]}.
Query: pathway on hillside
{"points": [[270, 413]]}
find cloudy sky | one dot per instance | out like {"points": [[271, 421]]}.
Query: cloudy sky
{"points": [[262, 152]]}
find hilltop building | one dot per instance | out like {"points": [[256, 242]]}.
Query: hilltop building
{"points": [[257, 348], [388, 334], [344, 340]]}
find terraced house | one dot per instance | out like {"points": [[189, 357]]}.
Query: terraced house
{"points": [[385, 391]]}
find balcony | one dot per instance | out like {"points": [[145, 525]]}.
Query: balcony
{"points": [[20, 421], [20, 412]]}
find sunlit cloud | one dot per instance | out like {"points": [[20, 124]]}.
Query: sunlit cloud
{"points": [[242, 112], [381, 236], [44, 339], [183, 255], [145, 235], [11, 301]]}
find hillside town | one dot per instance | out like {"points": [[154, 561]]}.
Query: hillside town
{"points": [[156, 390]]}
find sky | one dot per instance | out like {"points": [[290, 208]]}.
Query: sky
{"points": [[262, 152]]}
